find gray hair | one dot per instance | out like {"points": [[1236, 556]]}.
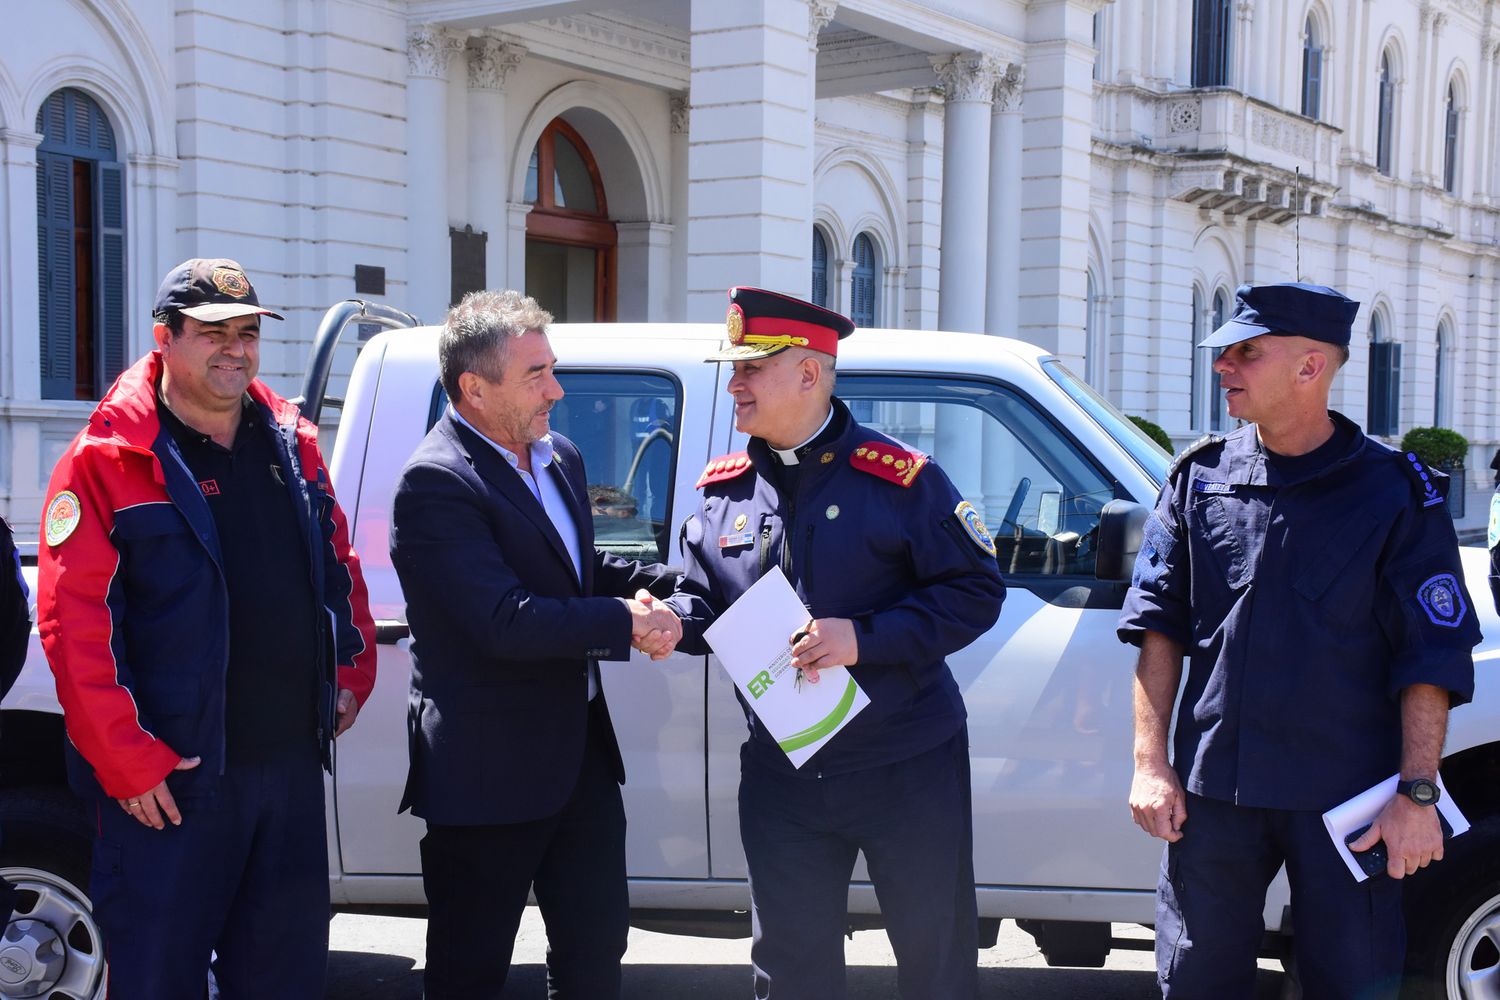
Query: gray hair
{"points": [[477, 334]]}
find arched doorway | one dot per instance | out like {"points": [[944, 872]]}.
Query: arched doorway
{"points": [[570, 240]]}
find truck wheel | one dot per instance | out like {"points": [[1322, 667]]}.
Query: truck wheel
{"points": [[1453, 921], [52, 948]]}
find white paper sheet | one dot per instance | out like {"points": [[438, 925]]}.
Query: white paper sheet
{"points": [[751, 640], [1345, 818]]}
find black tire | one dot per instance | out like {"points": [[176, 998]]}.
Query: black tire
{"points": [[45, 853], [1449, 906]]}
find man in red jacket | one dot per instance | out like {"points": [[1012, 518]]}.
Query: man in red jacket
{"points": [[209, 630]]}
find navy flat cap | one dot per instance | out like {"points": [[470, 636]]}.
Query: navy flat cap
{"points": [[1292, 309]]}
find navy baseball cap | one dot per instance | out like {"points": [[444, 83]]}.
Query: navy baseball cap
{"points": [[209, 290], [1292, 309]]}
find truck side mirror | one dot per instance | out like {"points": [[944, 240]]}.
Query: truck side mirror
{"points": [[1121, 527]]}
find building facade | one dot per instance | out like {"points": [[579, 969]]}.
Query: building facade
{"points": [[1093, 178]]}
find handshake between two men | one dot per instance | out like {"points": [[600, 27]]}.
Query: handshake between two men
{"points": [[655, 628]]}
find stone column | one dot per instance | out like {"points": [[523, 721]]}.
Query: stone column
{"points": [[681, 113], [1243, 76], [924, 200], [1002, 297], [750, 148], [969, 88], [429, 49], [1414, 134], [491, 60], [20, 288]]}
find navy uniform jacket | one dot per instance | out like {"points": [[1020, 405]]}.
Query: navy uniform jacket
{"points": [[854, 544], [1305, 608]]}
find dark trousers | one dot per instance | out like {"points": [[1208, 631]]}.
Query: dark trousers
{"points": [[1349, 936], [244, 879], [913, 821], [477, 879]]}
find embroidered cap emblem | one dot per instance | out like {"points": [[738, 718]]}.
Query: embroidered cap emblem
{"points": [[231, 282], [62, 517], [1442, 600], [734, 323]]}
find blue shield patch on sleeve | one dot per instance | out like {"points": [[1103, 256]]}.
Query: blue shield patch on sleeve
{"points": [[1442, 599]]}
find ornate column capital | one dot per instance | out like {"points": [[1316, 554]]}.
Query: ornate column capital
{"points": [[819, 15], [1008, 88], [1427, 13], [429, 50], [1245, 9], [681, 111], [491, 59], [968, 76]]}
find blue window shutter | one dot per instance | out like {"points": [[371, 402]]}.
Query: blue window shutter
{"points": [[862, 300], [109, 288], [819, 269], [1385, 388], [1393, 392], [54, 209]]}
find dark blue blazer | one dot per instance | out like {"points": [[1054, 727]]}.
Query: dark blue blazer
{"points": [[502, 630]]}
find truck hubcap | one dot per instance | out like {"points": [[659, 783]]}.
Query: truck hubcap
{"points": [[1474, 961], [52, 947]]}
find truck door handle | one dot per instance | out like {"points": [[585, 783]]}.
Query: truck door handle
{"points": [[390, 632]]}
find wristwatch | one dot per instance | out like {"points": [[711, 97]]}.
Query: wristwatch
{"points": [[1420, 790]]}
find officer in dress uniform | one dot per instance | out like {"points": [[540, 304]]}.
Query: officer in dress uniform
{"points": [[897, 571], [1311, 575]]}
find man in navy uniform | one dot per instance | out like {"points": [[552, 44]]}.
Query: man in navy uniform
{"points": [[897, 571], [15, 629], [1311, 575]]}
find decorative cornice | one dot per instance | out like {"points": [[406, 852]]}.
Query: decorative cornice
{"points": [[1008, 88], [681, 110], [968, 76], [430, 49], [491, 59], [617, 31], [819, 16]]}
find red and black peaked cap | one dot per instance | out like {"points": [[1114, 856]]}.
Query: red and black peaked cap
{"points": [[762, 323]]}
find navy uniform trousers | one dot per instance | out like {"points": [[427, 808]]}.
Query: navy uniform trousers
{"points": [[244, 878], [1349, 936], [912, 821]]}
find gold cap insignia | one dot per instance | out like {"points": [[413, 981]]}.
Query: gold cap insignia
{"points": [[231, 282], [734, 322]]}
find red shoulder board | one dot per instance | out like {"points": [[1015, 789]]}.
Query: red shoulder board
{"points": [[722, 468], [896, 465]]}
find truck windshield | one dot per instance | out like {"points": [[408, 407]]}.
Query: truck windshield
{"points": [[1146, 452]]}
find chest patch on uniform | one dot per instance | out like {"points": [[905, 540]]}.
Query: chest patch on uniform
{"points": [[209, 487], [973, 525], [62, 517], [740, 522], [1494, 533], [1443, 600], [734, 541], [894, 465], [1206, 486], [725, 467]]}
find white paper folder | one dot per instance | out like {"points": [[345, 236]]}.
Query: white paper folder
{"points": [[1360, 811], [751, 640]]}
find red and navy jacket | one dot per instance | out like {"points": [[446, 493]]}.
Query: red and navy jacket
{"points": [[132, 604]]}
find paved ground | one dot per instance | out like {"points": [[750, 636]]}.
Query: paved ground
{"points": [[381, 958]]}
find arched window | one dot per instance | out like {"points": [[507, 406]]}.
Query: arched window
{"points": [[1218, 407], [570, 239], [1385, 112], [1199, 366], [819, 269], [80, 201], [1450, 142], [864, 294], [1211, 43], [1383, 402], [1442, 391], [1312, 69]]}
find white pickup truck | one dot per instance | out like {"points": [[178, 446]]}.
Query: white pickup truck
{"points": [[1063, 480]]}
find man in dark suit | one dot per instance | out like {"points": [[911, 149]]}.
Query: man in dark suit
{"points": [[514, 763]]}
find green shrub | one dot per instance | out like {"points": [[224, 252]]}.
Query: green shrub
{"points": [[1154, 432], [1436, 446]]}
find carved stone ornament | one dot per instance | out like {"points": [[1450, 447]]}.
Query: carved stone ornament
{"points": [[429, 50], [491, 60], [1185, 115], [819, 16], [1008, 88], [968, 76], [681, 113]]}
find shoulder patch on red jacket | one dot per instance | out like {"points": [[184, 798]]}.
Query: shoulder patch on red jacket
{"points": [[722, 468], [895, 465]]}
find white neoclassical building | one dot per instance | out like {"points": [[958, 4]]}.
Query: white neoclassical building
{"points": [[1095, 178]]}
